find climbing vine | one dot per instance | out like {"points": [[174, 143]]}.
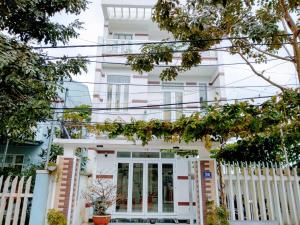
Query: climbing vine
{"points": [[239, 121]]}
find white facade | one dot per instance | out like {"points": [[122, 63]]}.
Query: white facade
{"points": [[156, 185], [120, 87]]}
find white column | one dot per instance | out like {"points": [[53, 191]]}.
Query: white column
{"points": [[69, 150], [91, 166]]}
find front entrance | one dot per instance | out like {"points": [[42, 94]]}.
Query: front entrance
{"points": [[145, 186]]}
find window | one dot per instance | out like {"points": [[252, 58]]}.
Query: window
{"points": [[173, 94], [167, 188], [145, 154], [117, 91], [122, 187], [121, 38], [13, 160], [202, 93]]}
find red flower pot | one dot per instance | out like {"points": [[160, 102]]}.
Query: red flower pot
{"points": [[101, 220]]}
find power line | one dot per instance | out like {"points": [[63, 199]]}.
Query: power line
{"points": [[170, 85], [162, 105], [149, 43]]}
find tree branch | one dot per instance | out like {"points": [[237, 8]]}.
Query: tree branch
{"points": [[289, 20], [272, 55], [260, 74]]}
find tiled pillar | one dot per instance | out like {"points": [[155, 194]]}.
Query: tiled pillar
{"points": [[66, 190], [205, 181]]}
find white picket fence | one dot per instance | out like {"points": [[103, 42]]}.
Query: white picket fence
{"points": [[261, 192], [15, 194]]}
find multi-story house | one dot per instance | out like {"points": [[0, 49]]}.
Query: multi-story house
{"points": [[154, 184]]}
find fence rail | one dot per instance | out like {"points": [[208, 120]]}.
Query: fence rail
{"points": [[262, 192], [15, 195]]}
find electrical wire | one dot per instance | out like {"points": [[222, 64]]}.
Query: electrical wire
{"points": [[148, 43], [161, 105]]}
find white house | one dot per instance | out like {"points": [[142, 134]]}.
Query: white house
{"points": [[154, 184]]}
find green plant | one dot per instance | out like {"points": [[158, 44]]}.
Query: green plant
{"points": [[56, 217], [54, 152], [76, 121], [51, 164], [81, 153], [216, 215]]}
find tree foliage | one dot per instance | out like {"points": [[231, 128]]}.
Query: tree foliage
{"points": [[268, 25], [242, 120], [28, 81], [77, 119]]}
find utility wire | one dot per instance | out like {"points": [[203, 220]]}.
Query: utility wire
{"points": [[162, 105], [147, 43], [166, 85]]}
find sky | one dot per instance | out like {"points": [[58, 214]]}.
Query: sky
{"points": [[237, 75], [92, 29]]}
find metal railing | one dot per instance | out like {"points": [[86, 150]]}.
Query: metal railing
{"points": [[125, 49]]}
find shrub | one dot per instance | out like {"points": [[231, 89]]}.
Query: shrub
{"points": [[56, 217]]}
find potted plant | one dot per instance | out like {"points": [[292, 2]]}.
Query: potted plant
{"points": [[101, 195], [51, 166]]}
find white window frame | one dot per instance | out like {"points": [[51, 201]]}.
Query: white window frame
{"points": [[13, 163], [170, 87], [121, 100], [146, 162]]}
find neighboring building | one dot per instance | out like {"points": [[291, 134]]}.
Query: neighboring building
{"points": [[21, 155], [153, 184]]}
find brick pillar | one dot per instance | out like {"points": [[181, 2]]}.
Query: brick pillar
{"points": [[205, 187], [66, 189]]}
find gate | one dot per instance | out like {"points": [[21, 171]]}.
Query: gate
{"points": [[262, 192]]}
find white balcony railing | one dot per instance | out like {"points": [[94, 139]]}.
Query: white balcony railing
{"points": [[119, 47]]}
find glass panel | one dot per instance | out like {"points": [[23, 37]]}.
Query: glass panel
{"points": [[123, 154], [118, 95], [167, 155], [109, 95], [178, 99], [167, 188], [167, 100], [9, 159], [202, 93], [172, 86], [118, 79], [122, 187], [18, 168], [137, 187], [145, 155], [126, 96], [19, 159], [152, 188]]}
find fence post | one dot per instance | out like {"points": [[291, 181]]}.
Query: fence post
{"points": [[39, 200]]}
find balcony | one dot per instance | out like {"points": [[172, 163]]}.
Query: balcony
{"points": [[125, 49], [127, 10]]}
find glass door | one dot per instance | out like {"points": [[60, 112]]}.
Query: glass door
{"points": [[145, 187]]}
